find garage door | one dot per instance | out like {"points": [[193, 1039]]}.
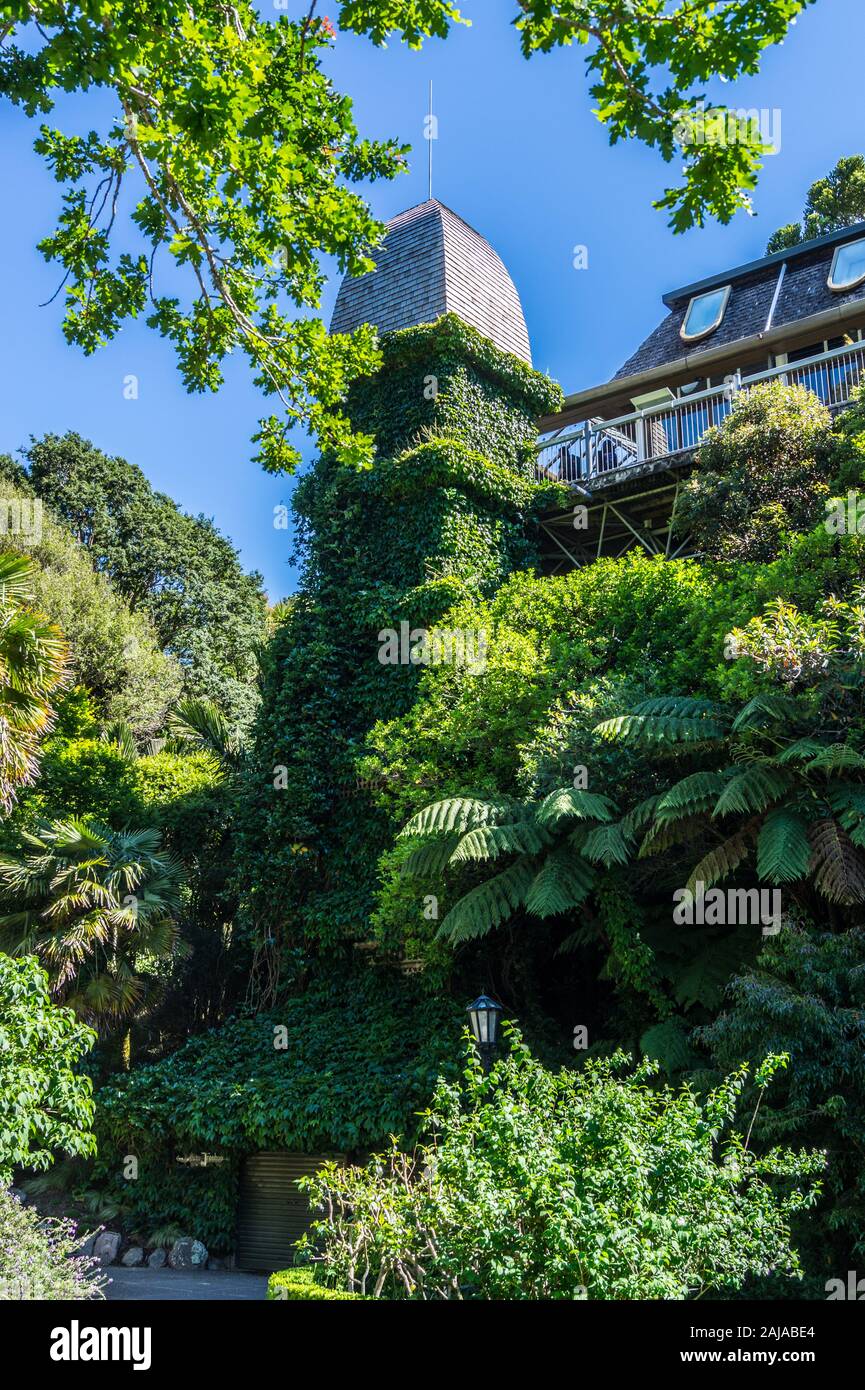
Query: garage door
{"points": [[272, 1212]]}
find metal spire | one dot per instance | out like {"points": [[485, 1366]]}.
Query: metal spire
{"points": [[430, 137]]}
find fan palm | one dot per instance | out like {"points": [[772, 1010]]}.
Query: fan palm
{"points": [[786, 789], [551, 848], [201, 724], [33, 662], [93, 903]]}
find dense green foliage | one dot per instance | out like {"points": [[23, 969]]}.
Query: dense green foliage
{"points": [[114, 652], [338, 1067], [396, 544], [45, 1104], [760, 477], [534, 1184], [38, 1258], [207, 613], [806, 995]]}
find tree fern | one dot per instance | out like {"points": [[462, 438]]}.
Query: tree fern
{"points": [[692, 795], [460, 813], [658, 730], [783, 848], [562, 883], [753, 790], [567, 802], [490, 841], [607, 845], [768, 707], [490, 904], [723, 860], [836, 864]]}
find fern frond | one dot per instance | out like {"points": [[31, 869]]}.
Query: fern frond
{"points": [[658, 730], [664, 834], [753, 790], [562, 883], [836, 864], [640, 816], [768, 707], [606, 845], [430, 858], [783, 849], [681, 707], [489, 841], [694, 794], [840, 757], [800, 751], [459, 813], [567, 802], [722, 861], [490, 904]]}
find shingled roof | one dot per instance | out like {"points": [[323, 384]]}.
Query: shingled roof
{"points": [[804, 292], [432, 263]]}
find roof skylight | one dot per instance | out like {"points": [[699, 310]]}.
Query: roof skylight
{"points": [[705, 313], [848, 266]]}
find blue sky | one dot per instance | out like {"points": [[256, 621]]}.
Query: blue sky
{"points": [[519, 156]]}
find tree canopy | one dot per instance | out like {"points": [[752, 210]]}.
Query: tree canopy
{"points": [[834, 202], [176, 570], [233, 157]]}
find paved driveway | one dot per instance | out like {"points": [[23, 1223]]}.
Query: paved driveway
{"points": [[189, 1286]]}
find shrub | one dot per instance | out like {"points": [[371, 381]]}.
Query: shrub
{"points": [[38, 1259], [44, 1103], [806, 995], [288, 1284], [761, 475], [533, 1184]]}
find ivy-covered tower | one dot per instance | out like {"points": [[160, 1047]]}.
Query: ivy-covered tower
{"points": [[446, 512]]}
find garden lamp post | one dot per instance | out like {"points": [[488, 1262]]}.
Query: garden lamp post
{"points": [[484, 1019]]}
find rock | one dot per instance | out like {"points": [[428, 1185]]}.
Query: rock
{"points": [[156, 1259], [87, 1247], [106, 1246], [188, 1254], [133, 1257]]}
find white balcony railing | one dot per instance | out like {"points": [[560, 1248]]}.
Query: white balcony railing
{"points": [[600, 447]]}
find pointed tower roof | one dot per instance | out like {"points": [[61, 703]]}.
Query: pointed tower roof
{"points": [[431, 263]]}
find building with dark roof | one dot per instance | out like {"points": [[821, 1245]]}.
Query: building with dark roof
{"points": [[431, 263], [797, 315]]}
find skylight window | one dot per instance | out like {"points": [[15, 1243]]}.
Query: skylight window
{"points": [[705, 312], [848, 266]]}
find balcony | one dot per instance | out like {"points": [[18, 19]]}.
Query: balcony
{"points": [[613, 449]]}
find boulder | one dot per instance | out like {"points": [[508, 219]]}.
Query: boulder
{"points": [[134, 1256], [106, 1246], [188, 1254], [157, 1258]]}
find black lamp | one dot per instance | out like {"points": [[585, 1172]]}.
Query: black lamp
{"points": [[484, 1019]]}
